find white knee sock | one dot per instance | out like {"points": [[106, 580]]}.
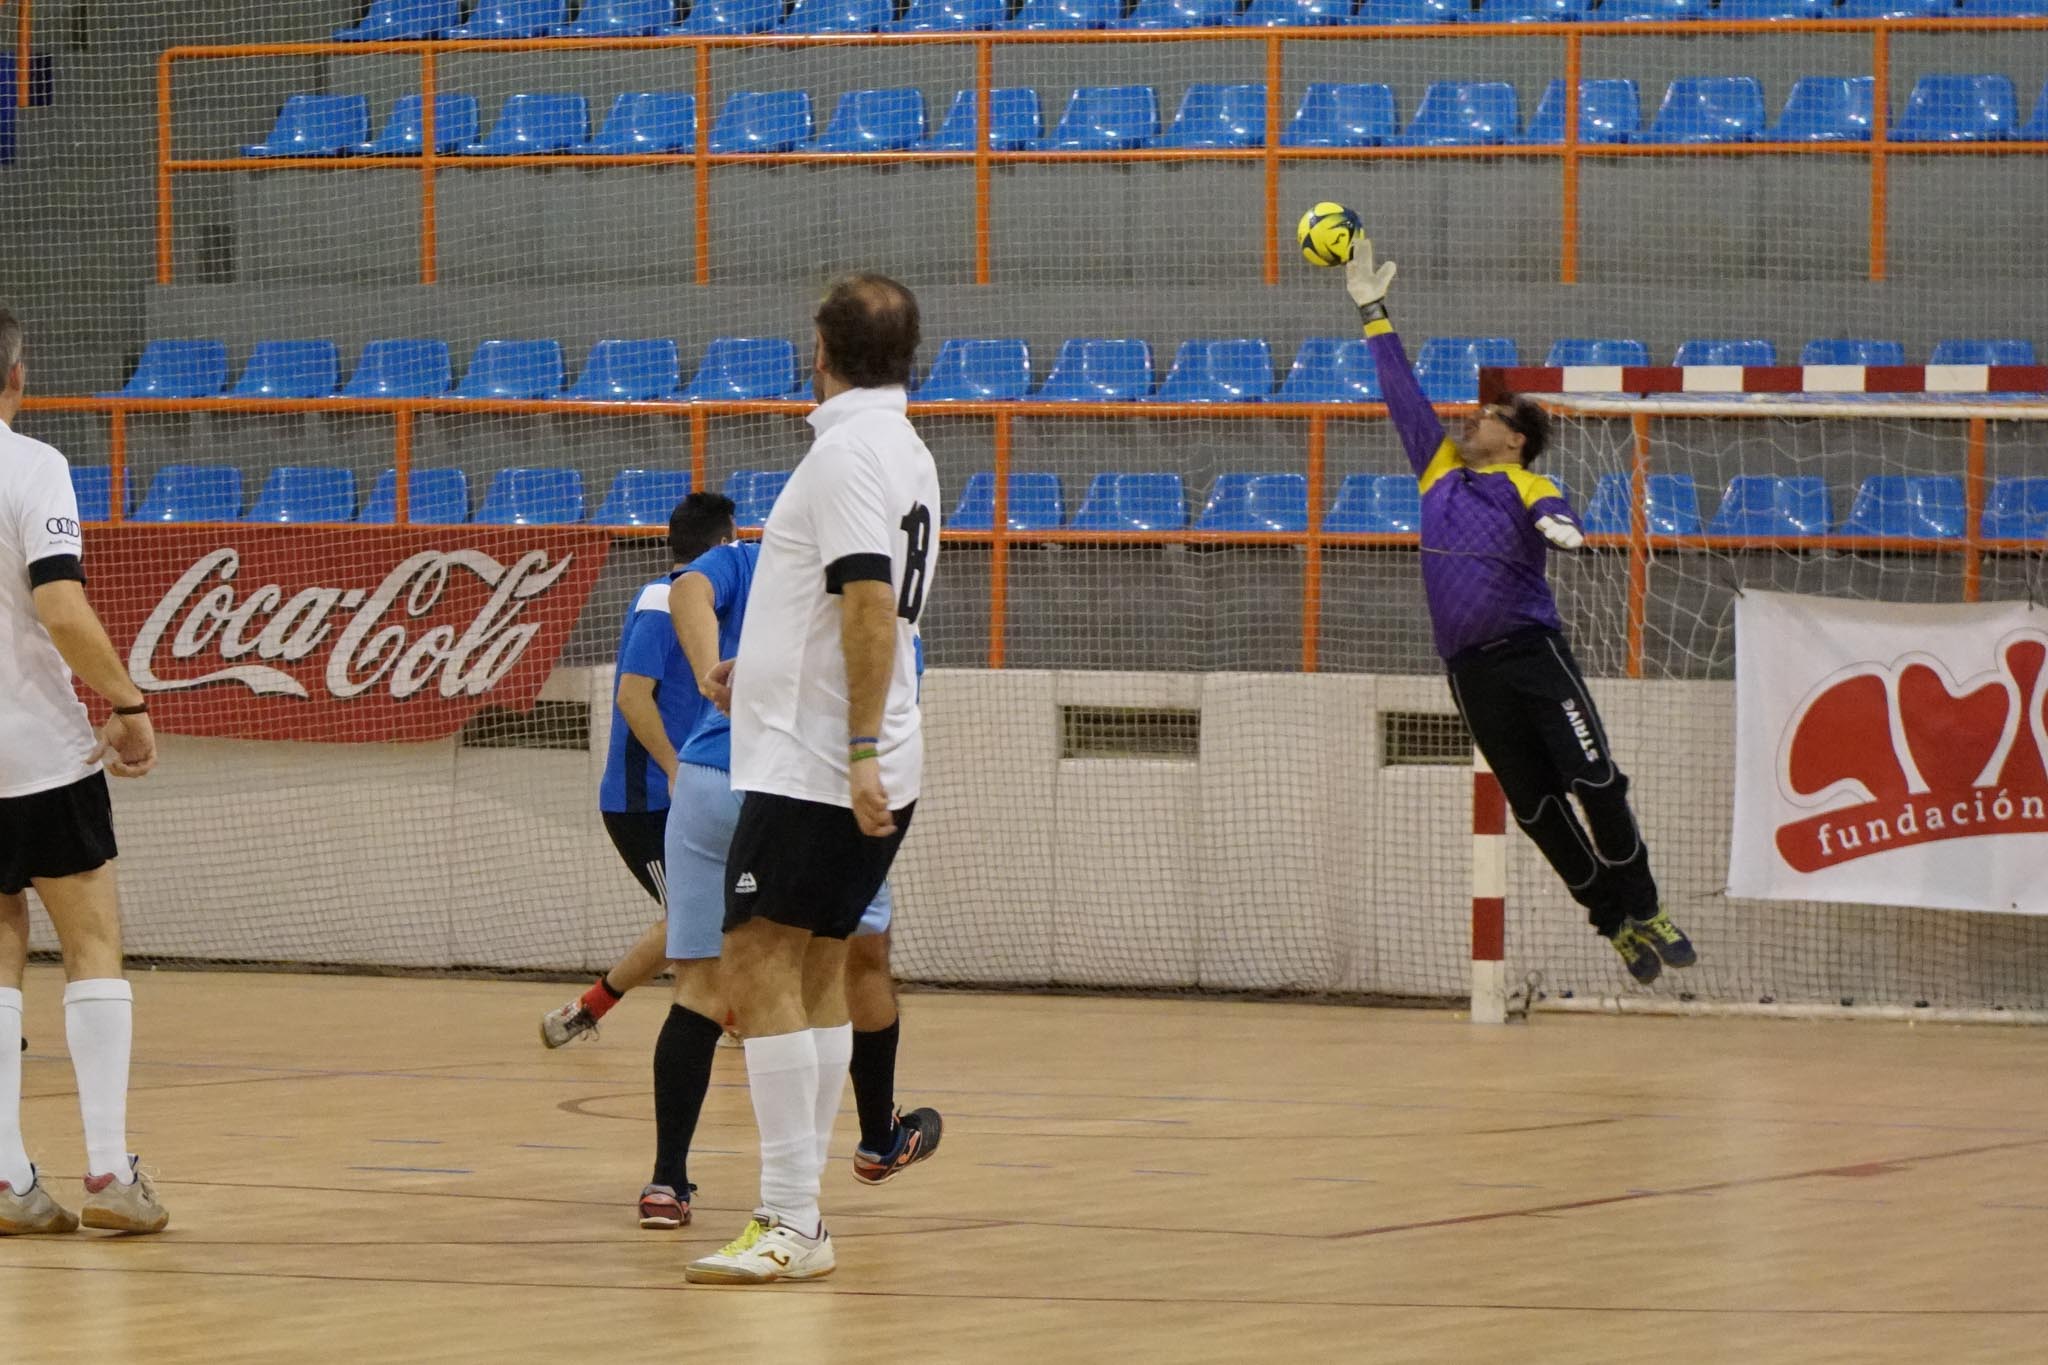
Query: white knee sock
{"points": [[99, 1024], [782, 1075], [14, 1168], [835, 1050]]}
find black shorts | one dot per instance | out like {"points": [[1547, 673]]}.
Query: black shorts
{"points": [[805, 864], [639, 836], [56, 833]]}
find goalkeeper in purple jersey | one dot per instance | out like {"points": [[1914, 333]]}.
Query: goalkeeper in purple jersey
{"points": [[1488, 524]]}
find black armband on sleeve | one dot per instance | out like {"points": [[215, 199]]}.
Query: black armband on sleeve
{"points": [[1376, 311], [856, 569], [55, 569]]}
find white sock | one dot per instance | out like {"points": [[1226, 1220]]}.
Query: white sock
{"points": [[14, 1167], [835, 1051], [99, 1024], [782, 1075]]}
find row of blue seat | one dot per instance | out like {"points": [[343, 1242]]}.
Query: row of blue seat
{"points": [[996, 369], [1920, 507], [503, 19], [1695, 109]]}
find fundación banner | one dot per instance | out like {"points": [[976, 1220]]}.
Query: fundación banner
{"points": [[338, 634], [1891, 754]]}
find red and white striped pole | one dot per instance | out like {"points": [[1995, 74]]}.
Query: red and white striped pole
{"points": [[1489, 895]]}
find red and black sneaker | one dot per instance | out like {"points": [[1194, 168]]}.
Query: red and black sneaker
{"points": [[917, 1137], [662, 1207]]}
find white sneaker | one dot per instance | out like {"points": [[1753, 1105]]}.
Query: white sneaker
{"points": [[767, 1251]]}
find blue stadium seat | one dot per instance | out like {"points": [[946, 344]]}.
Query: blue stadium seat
{"points": [[1852, 351], [2036, 129], [1952, 108], [1671, 506], [838, 16], [1411, 12], [643, 121], [726, 18], [1100, 370], [1709, 109], [1530, 11], [1014, 122], [1464, 114], [290, 369], [629, 372], [1107, 118], [436, 497], [1448, 367], [738, 368], [178, 369], [1772, 9], [455, 122], [512, 19], [1181, 14], [306, 493], [1334, 114], [951, 16], [1239, 370], [1767, 505], [1376, 504], [513, 369], [193, 492], [1650, 11], [1894, 9], [762, 121], [1330, 370], [1597, 351], [1609, 111], [1827, 109], [2017, 510], [1255, 502], [1219, 116], [1133, 502], [532, 497], [618, 19], [534, 125], [1729, 351], [1295, 13], [2001, 9], [1982, 351], [401, 368], [391, 21], [317, 125], [1036, 504], [874, 121], [1925, 507], [971, 370], [642, 497], [93, 486], [754, 492], [1064, 14]]}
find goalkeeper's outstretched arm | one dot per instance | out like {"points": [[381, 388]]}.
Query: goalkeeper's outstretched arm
{"points": [[1429, 450]]}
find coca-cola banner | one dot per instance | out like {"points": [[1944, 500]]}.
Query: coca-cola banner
{"points": [[1891, 755], [335, 633]]}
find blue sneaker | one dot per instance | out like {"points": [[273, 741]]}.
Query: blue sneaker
{"points": [[917, 1137], [1637, 952], [1666, 938]]}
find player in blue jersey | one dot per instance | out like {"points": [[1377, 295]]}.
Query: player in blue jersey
{"points": [[707, 604], [1488, 524], [655, 706]]}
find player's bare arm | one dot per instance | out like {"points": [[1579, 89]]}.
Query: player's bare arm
{"points": [[693, 610], [643, 718], [127, 741], [867, 636]]}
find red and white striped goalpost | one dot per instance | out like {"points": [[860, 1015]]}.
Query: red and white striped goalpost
{"points": [[1489, 895]]}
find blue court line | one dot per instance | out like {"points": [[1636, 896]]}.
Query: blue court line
{"points": [[1016, 1165], [548, 1147], [1338, 1179], [1495, 1185], [419, 1170], [409, 1142], [1146, 1172]]}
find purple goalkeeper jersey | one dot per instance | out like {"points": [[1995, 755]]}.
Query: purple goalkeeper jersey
{"points": [[1482, 556]]}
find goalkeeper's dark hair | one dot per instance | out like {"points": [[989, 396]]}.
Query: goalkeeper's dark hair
{"points": [[869, 324], [1527, 417], [700, 522]]}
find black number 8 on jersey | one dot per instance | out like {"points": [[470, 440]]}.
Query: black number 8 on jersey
{"points": [[917, 531]]}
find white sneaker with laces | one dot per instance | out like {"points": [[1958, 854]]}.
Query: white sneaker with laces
{"points": [[566, 1025], [767, 1251]]}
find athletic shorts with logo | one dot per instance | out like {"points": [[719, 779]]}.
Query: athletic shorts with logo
{"points": [[59, 832], [703, 811], [805, 864], [638, 835]]}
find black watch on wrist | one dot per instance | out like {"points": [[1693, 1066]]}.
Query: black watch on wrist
{"points": [[140, 708]]}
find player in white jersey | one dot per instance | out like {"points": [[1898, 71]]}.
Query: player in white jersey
{"points": [[57, 826], [827, 752]]}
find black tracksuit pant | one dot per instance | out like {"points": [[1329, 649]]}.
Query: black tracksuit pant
{"points": [[1526, 704]]}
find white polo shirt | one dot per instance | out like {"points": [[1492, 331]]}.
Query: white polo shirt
{"points": [[864, 502], [45, 737]]}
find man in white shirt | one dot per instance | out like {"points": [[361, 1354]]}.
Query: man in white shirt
{"points": [[56, 825], [826, 751]]}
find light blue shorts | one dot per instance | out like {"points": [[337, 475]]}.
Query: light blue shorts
{"points": [[701, 815]]}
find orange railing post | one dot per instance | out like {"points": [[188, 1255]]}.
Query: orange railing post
{"points": [[23, 23], [163, 168], [999, 549], [430, 245], [1638, 542], [700, 441], [1273, 73], [1568, 221], [117, 466], [701, 168], [401, 466], [1973, 513], [1880, 133], [1312, 562], [984, 119]]}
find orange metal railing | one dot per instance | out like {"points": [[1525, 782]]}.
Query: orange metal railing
{"points": [[1570, 154], [1639, 544], [23, 23]]}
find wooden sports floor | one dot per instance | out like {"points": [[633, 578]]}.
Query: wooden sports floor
{"points": [[368, 1170]]}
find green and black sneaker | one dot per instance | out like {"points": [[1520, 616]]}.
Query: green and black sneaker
{"points": [[1638, 953], [1667, 938]]}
